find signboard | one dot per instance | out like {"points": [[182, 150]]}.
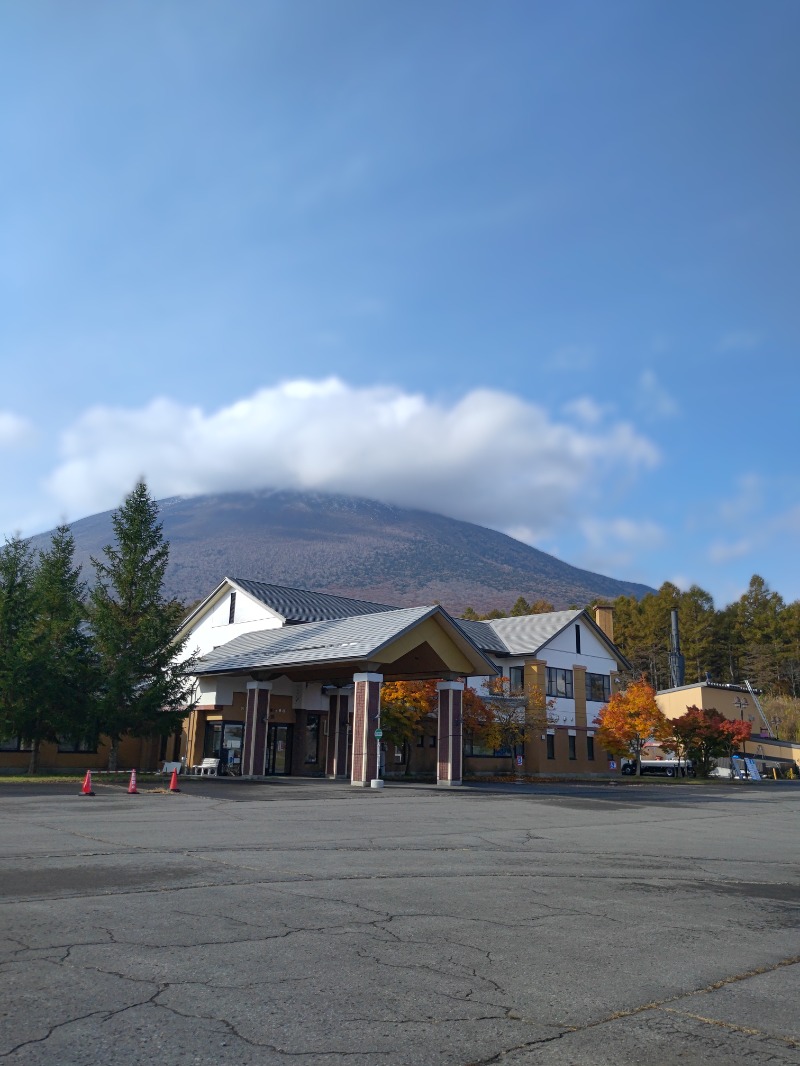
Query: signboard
{"points": [[378, 734], [612, 764], [752, 769], [519, 760]]}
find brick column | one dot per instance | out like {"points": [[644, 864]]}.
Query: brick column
{"points": [[366, 714], [450, 740], [579, 695], [535, 748], [336, 764], [254, 751]]}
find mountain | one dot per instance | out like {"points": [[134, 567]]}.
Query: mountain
{"points": [[351, 546]]}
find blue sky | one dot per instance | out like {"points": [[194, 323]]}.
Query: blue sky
{"points": [[531, 264]]}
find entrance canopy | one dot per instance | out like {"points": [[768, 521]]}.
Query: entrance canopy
{"points": [[346, 659], [414, 643]]}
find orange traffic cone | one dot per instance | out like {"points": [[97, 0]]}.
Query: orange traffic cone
{"points": [[173, 782], [132, 789], [87, 784]]}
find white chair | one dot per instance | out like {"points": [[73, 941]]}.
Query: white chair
{"points": [[207, 768]]}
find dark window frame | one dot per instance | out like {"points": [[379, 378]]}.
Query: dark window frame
{"points": [[516, 679], [598, 683], [572, 746], [232, 609], [551, 745], [312, 729], [554, 675], [10, 744], [67, 746]]}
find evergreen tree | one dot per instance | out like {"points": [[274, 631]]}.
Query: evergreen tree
{"points": [[61, 678], [16, 617], [147, 681]]}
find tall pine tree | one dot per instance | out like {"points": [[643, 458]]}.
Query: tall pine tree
{"points": [[16, 619], [61, 676], [146, 682]]}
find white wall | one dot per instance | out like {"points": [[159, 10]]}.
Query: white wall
{"points": [[212, 629], [560, 653]]}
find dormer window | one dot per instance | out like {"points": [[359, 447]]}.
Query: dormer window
{"points": [[232, 610]]}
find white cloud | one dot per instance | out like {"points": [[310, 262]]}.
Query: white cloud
{"points": [[13, 429], [748, 501], [489, 457], [721, 552], [571, 358], [615, 544], [622, 531], [585, 410], [739, 341], [653, 398]]}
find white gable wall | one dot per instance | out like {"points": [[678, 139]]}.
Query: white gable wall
{"points": [[212, 629], [560, 653]]}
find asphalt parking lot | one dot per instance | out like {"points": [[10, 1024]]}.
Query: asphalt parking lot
{"points": [[308, 922]]}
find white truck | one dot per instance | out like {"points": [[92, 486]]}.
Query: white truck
{"points": [[662, 767]]}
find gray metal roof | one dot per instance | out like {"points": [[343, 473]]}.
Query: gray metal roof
{"points": [[334, 640], [523, 635], [301, 605], [482, 635], [528, 633]]}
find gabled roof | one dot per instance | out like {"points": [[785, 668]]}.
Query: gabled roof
{"points": [[290, 605], [340, 640], [528, 634], [301, 605], [482, 635]]}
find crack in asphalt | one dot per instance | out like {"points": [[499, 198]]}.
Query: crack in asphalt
{"points": [[654, 1006]]}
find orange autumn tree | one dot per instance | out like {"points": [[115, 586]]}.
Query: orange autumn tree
{"points": [[477, 718], [630, 720], [506, 718], [404, 707]]}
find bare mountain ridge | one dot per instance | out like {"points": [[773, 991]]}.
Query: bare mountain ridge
{"points": [[351, 546]]}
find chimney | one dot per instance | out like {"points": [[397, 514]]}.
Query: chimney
{"points": [[604, 616]]}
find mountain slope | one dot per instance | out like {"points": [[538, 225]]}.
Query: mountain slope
{"points": [[354, 547]]}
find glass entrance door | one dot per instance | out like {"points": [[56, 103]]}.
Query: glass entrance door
{"points": [[279, 749]]}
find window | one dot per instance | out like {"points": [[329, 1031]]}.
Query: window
{"points": [[67, 744], [420, 740], [598, 688], [232, 611], [559, 682], [590, 749], [473, 748], [312, 738], [13, 744], [551, 745], [578, 639], [432, 740], [516, 679], [572, 754]]}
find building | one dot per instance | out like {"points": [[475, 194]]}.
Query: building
{"points": [[571, 658], [288, 682], [736, 703]]}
